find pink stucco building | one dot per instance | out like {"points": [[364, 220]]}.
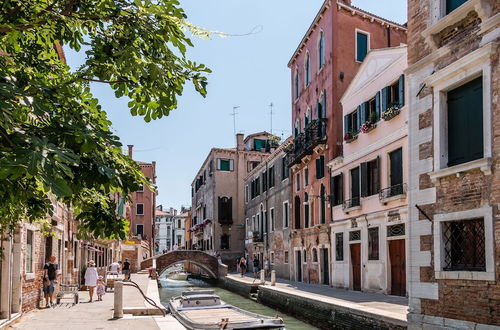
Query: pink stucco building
{"points": [[368, 200]]}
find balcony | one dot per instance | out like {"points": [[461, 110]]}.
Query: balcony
{"points": [[304, 143], [351, 204], [392, 193]]}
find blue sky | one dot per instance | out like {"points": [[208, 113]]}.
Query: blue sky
{"points": [[249, 72]]}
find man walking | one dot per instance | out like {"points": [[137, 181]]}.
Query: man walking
{"points": [[49, 280], [113, 268], [126, 269]]}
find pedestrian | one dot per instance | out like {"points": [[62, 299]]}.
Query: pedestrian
{"points": [[126, 269], [101, 288], [255, 266], [91, 278], [49, 280], [243, 266], [266, 267], [175, 247], [114, 267]]}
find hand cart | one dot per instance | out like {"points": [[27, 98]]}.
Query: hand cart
{"points": [[67, 290], [111, 278]]}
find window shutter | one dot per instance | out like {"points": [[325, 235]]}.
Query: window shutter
{"points": [[231, 165], [346, 124], [323, 108], [358, 124], [341, 188], [402, 90], [230, 210], [377, 105], [218, 163], [385, 98], [318, 169], [377, 174], [364, 179], [364, 107], [332, 190], [220, 209], [362, 46]]}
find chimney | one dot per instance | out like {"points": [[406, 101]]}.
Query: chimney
{"points": [[130, 148], [240, 145], [175, 212], [171, 211]]}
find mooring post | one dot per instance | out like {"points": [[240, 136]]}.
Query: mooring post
{"points": [[118, 309], [262, 276], [273, 277]]}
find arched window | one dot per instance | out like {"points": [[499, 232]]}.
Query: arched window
{"points": [[297, 212], [307, 69], [321, 50], [297, 84]]}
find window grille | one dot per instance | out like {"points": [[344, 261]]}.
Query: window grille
{"points": [[355, 235], [464, 245], [339, 246], [396, 230]]}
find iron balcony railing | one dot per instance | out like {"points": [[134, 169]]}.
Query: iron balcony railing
{"points": [[396, 190], [305, 142], [350, 203]]}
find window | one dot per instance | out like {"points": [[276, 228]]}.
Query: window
{"points": [[297, 177], [355, 183], [396, 172], [255, 187], [179, 240], [355, 235], [29, 251], [396, 230], [315, 255], [373, 244], [264, 181], [393, 95], [451, 5], [305, 257], [254, 224], [339, 246], [307, 70], [271, 211], [285, 215], [351, 123], [139, 230], [306, 210], [297, 212], [139, 209], [75, 253], [260, 144], [286, 257], [225, 210], [322, 205], [141, 188], [320, 167], [464, 245], [246, 194], [306, 177], [337, 189], [321, 50], [465, 123], [179, 223], [370, 110], [271, 177], [225, 164], [224, 242], [362, 46], [266, 224], [370, 178], [297, 84], [285, 171]]}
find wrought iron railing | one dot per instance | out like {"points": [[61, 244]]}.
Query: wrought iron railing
{"points": [[350, 203], [396, 190], [304, 143]]}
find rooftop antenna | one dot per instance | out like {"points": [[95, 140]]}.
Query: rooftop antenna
{"points": [[271, 107], [234, 118]]}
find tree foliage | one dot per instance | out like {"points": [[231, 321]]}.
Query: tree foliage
{"points": [[55, 139]]}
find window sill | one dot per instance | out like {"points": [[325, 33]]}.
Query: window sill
{"points": [[465, 275], [480, 6], [400, 197], [484, 164]]}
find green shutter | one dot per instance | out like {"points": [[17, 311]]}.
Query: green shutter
{"points": [[364, 179], [377, 105], [364, 108], [346, 124], [358, 119], [385, 98], [401, 90], [362, 46], [453, 4], [396, 159], [355, 182]]}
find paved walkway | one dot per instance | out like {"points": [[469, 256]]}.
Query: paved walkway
{"points": [[98, 314], [374, 303]]}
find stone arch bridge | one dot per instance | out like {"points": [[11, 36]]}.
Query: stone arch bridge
{"points": [[205, 261]]}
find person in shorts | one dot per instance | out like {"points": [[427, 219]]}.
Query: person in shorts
{"points": [[114, 268], [49, 280], [126, 269], [256, 266]]}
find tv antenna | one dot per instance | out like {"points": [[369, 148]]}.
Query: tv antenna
{"points": [[234, 118]]}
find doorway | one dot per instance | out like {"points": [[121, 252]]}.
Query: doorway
{"points": [[397, 256], [356, 266], [325, 267], [298, 269]]}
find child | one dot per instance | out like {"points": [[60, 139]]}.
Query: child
{"points": [[101, 288]]}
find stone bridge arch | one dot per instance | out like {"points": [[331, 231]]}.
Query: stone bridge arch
{"points": [[204, 260]]}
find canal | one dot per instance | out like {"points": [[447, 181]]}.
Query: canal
{"points": [[171, 288]]}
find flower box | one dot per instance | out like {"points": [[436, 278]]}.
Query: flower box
{"points": [[350, 136], [391, 112], [367, 127]]}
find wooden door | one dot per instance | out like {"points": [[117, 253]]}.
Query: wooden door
{"points": [[325, 267], [398, 267], [356, 266], [299, 266]]}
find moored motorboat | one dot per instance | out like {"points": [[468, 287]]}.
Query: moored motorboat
{"points": [[202, 309], [178, 276]]}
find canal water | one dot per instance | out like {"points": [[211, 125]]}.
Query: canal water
{"points": [[171, 288]]}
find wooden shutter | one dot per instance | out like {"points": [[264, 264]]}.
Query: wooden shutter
{"points": [[363, 116], [385, 98], [318, 173], [347, 119], [465, 123], [364, 179], [220, 209], [377, 174], [396, 167], [401, 86], [355, 182], [358, 118], [362, 46], [377, 105], [341, 188], [230, 210]]}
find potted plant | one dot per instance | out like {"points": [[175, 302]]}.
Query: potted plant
{"points": [[350, 136], [392, 111]]}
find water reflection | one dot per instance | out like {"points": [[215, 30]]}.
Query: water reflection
{"points": [[172, 288]]}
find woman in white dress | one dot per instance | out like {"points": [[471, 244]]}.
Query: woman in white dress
{"points": [[91, 278]]}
